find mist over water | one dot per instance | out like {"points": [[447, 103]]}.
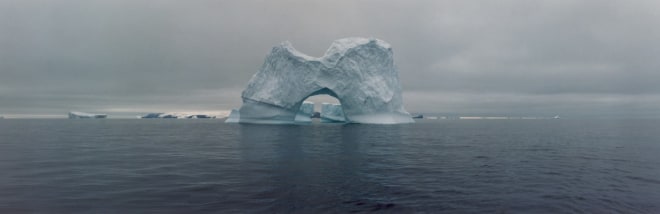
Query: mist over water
{"points": [[167, 166]]}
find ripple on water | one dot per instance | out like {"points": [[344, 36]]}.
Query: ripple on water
{"points": [[200, 166]]}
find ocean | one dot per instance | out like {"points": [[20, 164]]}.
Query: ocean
{"points": [[432, 166]]}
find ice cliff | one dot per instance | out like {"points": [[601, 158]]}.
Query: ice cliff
{"points": [[359, 72], [305, 113], [332, 113]]}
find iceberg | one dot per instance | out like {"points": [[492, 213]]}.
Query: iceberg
{"points": [[332, 113], [180, 115], [83, 115], [169, 116], [151, 115], [200, 116], [159, 115], [359, 72]]}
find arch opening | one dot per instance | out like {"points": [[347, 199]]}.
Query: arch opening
{"points": [[322, 105]]}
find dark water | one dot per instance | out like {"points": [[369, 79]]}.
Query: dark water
{"points": [[198, 166]]}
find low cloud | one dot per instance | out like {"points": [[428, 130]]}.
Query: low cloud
{"points": [[502, 57]]}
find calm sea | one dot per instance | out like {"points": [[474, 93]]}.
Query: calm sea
{"points": [[206, 166]]}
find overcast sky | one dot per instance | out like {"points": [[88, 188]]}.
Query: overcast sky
{"points": [[595, 58]]}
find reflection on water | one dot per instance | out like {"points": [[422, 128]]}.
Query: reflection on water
{"points": [[299, 162]]}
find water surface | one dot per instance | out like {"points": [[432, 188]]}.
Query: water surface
{"points": [[464, 166]]}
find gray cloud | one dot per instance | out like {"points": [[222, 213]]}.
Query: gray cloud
{"points": [[125, 55]]}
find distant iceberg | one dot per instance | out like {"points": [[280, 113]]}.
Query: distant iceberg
{"points": [[169, 116], [151, 115], [159, 115], [179, 116], [200, 116], [83, 115]]}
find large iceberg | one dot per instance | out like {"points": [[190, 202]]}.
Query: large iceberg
{"points": [[359, 72], [332, 113]]}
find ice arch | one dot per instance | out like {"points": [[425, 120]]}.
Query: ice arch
{"points": [[358, 72]]}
